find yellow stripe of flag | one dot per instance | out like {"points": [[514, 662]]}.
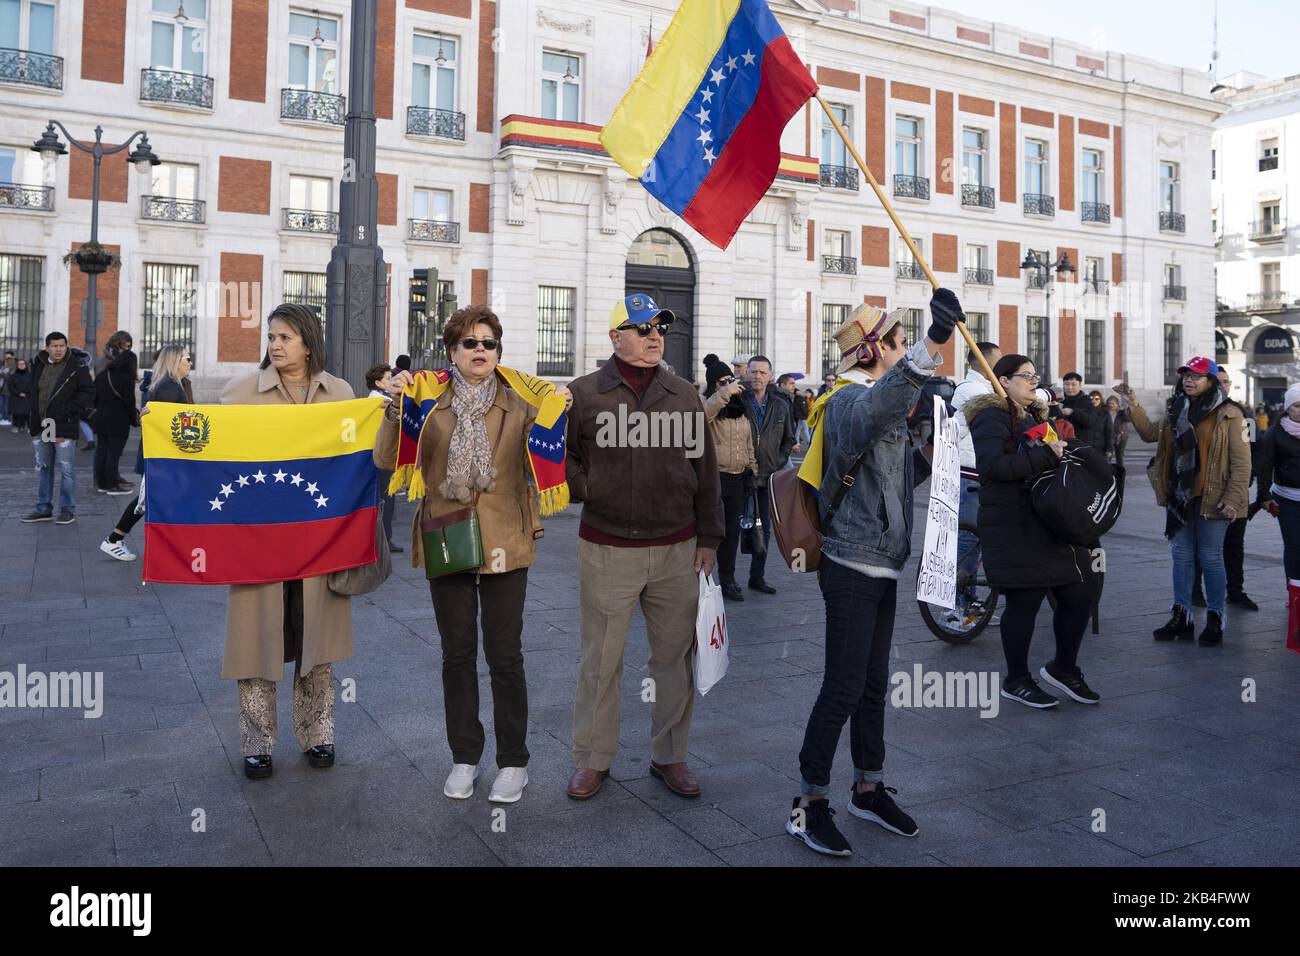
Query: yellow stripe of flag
{"points": [[260, 432], [664, 87]]}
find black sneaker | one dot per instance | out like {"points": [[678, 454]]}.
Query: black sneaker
{"points": [[1026, 691], [879, 807], [1070, 681], [758, 584], [1178, 626], [1213, 633], [65, 517], [39, 516], [814, 825], [1242, 600]]}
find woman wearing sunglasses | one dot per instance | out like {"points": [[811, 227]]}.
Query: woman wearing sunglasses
{"points": [[474, 451], [1022, 556]]}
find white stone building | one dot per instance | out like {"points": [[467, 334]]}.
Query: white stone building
{"points": [[1258, 269], [992, 141]]}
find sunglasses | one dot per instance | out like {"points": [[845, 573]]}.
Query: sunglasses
{"points": [[645, 328], [470, 344]]}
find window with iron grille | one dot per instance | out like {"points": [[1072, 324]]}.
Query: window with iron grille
{"points": [[424, 325], [21, 293], [170, 306], [912, 326], [555, 320], [749, 326], [978, 325], [1038, 345], [1173, 353], [1094, 350], [306, 288], [833, 316]]}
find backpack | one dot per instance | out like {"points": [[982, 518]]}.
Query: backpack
{"points": [[796, 522], [1081, 498]]}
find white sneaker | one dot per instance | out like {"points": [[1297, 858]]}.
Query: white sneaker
{"points": [[5, 421], [460, 782], [509, 785], [118, 550]]}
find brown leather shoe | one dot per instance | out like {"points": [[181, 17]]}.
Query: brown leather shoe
{"points": [[585, 783], [677, 777]]}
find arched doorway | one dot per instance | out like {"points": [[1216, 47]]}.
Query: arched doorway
{"points": [[660, 265]]}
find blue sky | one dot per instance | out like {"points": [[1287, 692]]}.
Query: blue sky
{"points": [[1256, 35]]}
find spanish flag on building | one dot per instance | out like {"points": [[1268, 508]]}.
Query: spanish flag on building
{"points": [[253, 494]]}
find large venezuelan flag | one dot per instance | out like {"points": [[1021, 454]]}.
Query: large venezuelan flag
{"points": [[701, 125], [252, 494]]}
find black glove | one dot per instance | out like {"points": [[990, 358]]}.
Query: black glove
{"points": [[945, 313]]}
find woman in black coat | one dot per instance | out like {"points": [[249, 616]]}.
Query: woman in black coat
{"points": [[1022, 557], [115, 412], [19, 388]]}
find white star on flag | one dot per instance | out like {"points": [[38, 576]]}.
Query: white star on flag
{"points": [[226, 490], [731, 63], [709, 156], [320, 502], [707, 94], [705, 136], [312, 489], [216, 504], [716, 77], [279, 477], [259, 477], [243, 481], [749, 58], [702, 115], [296, 480]]}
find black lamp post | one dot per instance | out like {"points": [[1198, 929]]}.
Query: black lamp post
{"points": [[1041, 267], [357, 277], [93, 263]]}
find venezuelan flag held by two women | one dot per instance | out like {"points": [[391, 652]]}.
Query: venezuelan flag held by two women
{"points": [[254, 494], [701, 125]]}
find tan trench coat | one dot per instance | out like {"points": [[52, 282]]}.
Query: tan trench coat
{"points": [[255, 612], [509, 518]]}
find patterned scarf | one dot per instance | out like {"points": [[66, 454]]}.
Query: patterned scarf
{"points": [[1186, 413], [469, 456]]}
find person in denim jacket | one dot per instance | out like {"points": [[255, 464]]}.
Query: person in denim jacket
{"points": [[864, 550]]}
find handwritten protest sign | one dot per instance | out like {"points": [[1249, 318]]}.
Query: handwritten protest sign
{"points": [[937, 582]]}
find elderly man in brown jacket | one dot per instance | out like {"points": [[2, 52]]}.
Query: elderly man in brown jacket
{"points": [[642, 461], [268, 625]]}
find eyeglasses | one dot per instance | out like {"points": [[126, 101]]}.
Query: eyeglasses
{"points": [[644, 329], [1193, 377], [470, 344], [1029, 377]]}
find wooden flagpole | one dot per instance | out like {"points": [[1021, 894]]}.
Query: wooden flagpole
{"points": [[902, 231]]}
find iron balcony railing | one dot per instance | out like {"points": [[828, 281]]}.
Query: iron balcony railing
{"points": [[1266, 301], [445, 124], [1172, 221], [31, 69], [980, 196], [1176, 293], [1037, 279], [1094, 212], [909, 270], [839, 177], [1036, 204], [312, 107], [1097, 286], [843, 265], [979, 276], [166, 209], [1267, 231], [434, 230], [18, 196], [308, 220], [173, 86], [911, 187], [1267, 163]]}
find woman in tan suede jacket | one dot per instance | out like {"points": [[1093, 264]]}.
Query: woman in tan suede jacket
{"points": [[733, 439]]}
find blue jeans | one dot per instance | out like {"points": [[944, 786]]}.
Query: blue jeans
{"points": [[968, 554], [87, 435], [61, 453], [4, 404], [1200, 538]]}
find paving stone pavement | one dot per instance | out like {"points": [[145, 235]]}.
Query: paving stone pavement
{"points": [[1184, 770]]}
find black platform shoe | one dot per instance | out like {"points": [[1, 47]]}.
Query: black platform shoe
{"points": [[1179, 626], [258, 767], [1213, 633], [321, 757]]}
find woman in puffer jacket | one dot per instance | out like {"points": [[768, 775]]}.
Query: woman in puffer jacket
{"points": [[1022, 556], [734, 441]]}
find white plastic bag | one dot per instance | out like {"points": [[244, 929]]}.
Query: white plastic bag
{"points": [[710, 636]]}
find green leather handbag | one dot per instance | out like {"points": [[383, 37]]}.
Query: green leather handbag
{"points": [[452, 543]]}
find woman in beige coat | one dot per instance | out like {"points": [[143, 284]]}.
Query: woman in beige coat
{"points": [[474, 453], [733, 438], [268, 625]]}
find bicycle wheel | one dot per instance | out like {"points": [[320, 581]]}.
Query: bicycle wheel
{"points": [[977, 602]]}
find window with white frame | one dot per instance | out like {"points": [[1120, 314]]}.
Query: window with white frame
{"points": [[314, 193], [1270, 278], [1037, 182], [1094, 350], [556, 313], [313, 52], [20, 166], [433, 71], [978, 325], [1173, 281], [913, 323], [974, 157], [1267, 154], [837, 242], [1170, 188], [1093, 173], [434, 205], [833, 149], [561, 86], [175, 181], [909, 154], [977, 257], [1093, 274], [27, 25], [178, 38]]}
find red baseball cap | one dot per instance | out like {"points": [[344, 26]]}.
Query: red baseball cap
{"points": [[1200, 365]]}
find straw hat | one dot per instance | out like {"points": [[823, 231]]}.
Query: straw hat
{"points": [[860, 333]]}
